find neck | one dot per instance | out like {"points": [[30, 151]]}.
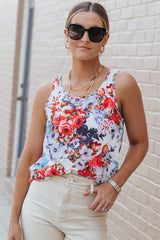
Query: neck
{"points": [[82, 71]]}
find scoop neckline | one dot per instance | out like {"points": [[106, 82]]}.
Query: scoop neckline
{"points": [[91, 94]]}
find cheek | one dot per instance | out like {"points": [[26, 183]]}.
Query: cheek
{"points": [[73, 44], [97, 48]]}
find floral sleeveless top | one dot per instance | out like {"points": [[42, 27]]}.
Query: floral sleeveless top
{"points": [[83, 135]]}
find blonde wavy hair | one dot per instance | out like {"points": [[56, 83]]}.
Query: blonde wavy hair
{"points": [[89, 7]]}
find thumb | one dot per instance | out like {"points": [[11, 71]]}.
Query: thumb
{"points": [[90, 190], [87, 192]]}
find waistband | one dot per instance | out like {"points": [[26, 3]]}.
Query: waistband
{"points": [[79, 180]]}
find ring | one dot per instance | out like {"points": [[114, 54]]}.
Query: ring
{"points": [[104, 209]]}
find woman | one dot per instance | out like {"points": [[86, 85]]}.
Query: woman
{"points": [[74, 139]]}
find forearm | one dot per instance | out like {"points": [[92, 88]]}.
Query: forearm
{"points": [[21, 188], [134, 157]]}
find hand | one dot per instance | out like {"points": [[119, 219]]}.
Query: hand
{"points": [[105, 198], [14, 232]]}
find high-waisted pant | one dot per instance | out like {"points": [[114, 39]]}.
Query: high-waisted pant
{"points": [[56, 209]]}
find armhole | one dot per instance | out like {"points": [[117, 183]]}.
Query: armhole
{"points": [[50, 95], [115, 79]]}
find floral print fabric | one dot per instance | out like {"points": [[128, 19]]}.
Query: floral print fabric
{"points": [[83, 135]]}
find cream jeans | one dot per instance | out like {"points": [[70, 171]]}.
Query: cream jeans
{"points": [[55, 209]]}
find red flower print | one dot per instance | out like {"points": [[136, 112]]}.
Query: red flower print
{"points": [[39, 179], [85, 172], [31, 180], [54, 107], [65, 127], [98, 107], [71, 139], [110, 89], [109, 103], [116, 117], [105, 149], [78, 110], [67, 111], [95, 162], [51, 171], [96, 146], [57, 119], [57, 81], [77, 121], [63, 170], [41, 172], [53, 87], [101, 92], [93, 176]]}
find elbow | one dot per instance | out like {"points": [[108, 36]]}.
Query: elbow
{"points": [[141, 145]]}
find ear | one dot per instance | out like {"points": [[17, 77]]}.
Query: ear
{"points": [[105, 40], [66, 33]]}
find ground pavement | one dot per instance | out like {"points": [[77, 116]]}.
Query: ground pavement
{"points": [[5, 209]]}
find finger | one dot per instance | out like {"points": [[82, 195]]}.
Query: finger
{"points": [[90, 190], [95, 203], [87, 192], [99, 207]]}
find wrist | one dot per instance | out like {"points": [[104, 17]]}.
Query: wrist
{"points": [[114, 185], [14, 216]]}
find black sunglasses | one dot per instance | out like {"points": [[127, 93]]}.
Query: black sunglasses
{"points": [[76, 32]]}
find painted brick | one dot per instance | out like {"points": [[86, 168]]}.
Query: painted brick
{"points": [[153, 8], [133, 205], [132, 3], [133, 47], [127, 13], [149, 35], [138, 36], [133, 24], [125, 37], [152, 231], [144, 49], [157, 35], [121, 26], [157, 21], [130, 50], [154, 203], [121, 3], [150, 63], [154, 175], [114, 15], [140, 11], [156, 48]]}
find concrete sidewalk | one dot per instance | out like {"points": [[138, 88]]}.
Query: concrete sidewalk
{"points": [[5, 209]]}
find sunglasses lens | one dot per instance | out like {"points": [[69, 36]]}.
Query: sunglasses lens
{"points": [[75, 32], [96, 34]]}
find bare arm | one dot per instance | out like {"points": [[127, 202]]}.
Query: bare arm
{"points": [[131, 106], [32, 151], [134, 116]]}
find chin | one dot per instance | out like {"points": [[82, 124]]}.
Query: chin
{"points": [[85, 57]]}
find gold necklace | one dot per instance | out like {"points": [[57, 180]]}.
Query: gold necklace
{"points": [[90, 82], [89, 88]]}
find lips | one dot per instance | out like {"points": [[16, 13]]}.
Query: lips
{"points": [[84, 47]]}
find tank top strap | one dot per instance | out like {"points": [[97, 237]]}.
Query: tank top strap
{"points": [[56, 81], [111, 76], [110, 79], [109, 83]]}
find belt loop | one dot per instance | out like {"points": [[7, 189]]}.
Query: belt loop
{"points": [[91, 187]]}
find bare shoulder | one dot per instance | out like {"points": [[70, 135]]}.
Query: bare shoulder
{"points": [[126, 85], [43, 92]]}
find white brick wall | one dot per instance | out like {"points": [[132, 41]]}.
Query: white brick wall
{"points": [[8, 20], [134, 46]]}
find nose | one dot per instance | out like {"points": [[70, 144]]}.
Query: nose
{"points": [[85, 37]]}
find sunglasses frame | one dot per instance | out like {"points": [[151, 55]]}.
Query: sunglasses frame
{"points": [[85, 29]]}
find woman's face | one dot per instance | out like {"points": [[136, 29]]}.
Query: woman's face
{"points": [[84, 49]]}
